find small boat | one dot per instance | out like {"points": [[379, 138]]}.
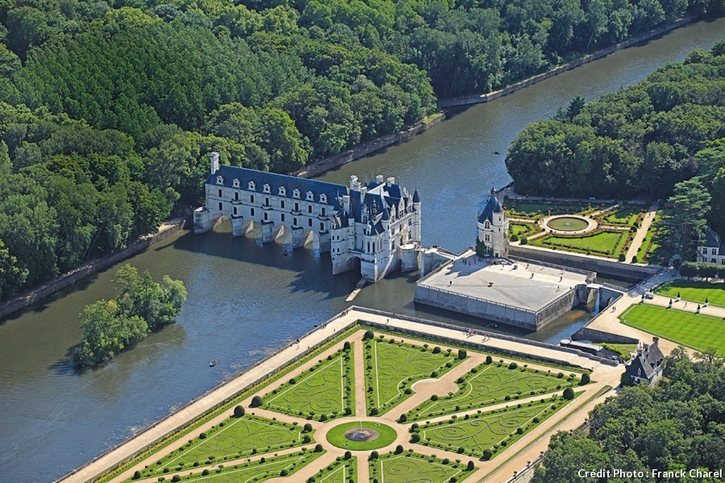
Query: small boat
{"points": [[212, 363], [495, 152]]}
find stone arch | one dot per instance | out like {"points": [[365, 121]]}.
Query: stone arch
{"points": [[311, 239]]}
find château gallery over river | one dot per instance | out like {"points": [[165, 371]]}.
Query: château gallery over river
{"points": [[246, 299]]}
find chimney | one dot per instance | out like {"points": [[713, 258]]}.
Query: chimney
{"points": [[354, 183], [655, 340], [379, 179], [214, 156], [390, 181]]}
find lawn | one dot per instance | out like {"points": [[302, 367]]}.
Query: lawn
{"points": [[697, 331], [341, 471], [391, 368], [601, 243], [522, 229], [474, 435], [386, 435], [624, 216], [411, 467], [258, 470], [695, 291], [230, 440], [325, 389], [493, 383]]}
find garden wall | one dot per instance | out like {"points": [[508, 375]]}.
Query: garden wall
{"points": [[600, 336], [628, 271], [166, 230]]}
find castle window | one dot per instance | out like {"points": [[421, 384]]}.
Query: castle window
{"points": [[281, 204], [309, 209], [324, 212], [309, 222], [310, 196], [266, 201], [323, 198], [282, 191], [236, 196], [236, 183], [714, 251], [487, 224], [296, 193], [281, 217], [251, 186], [220, 206], [297, 207], [220, 193], [252, 212], [219, 180], [266, 216], [294, 221], [487, 238], [251, 198], [266, 188], [704, 251], [713, 260], [322, 226], [235, 210]]}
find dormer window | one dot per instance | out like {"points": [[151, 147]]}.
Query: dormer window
{"points": [[296, 193], [487, 225], [310, 196], [323, 198], [266, 188], [219, 180], [282, 191], [251, 186]]}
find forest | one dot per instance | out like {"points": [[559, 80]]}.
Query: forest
{"points": [[663, 138], [108, 109], [678, 425]]}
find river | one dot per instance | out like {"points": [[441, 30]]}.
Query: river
{"points": [[246, 299]]}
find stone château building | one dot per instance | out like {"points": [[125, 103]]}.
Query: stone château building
{"points": [[493, 227], [361, 225], [711, 249]]}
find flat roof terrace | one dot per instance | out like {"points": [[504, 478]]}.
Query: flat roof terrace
{"points": [[525, 286]]}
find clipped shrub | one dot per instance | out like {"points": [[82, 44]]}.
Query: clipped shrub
{"points": [[238, 411], [369, 334], [176, 478], [202, 436], [205, 473], [374, 412], [136, 475], [403, 418], [470, 466], [415, 438], [256, 402], [436, 350], [306, 439], [568, 393], [462, 353], [323, 417], [622, 257], [434, 397], [524, 241], [408, 390], [489, 360], [307, 428], [434, 374], [374, 455], [585, 379], [346, 346], [445, 461], [399, 449], [513, 365], [519, 430], [293, 381], [284, 473], [348, 455], [560, 375], [514, 238], [318, 448]]}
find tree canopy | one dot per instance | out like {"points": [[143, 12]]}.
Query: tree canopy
{"points": [[678, 425], [142, 306]]}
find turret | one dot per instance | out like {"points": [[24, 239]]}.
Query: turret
{"points": [[214, 156]]}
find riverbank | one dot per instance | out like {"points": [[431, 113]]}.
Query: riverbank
{"points": [[477, 99], [318, 167], [89, 268]]}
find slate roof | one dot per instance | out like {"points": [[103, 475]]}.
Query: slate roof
{"points": [[712, 239], [274, 180], [647, 362], [491, 206]]}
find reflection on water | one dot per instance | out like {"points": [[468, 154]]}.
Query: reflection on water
{"points": [[246, 299]]}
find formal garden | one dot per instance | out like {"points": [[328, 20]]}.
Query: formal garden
{"points": [[495, 382], [308, 410], [611, 234], [697, 331]]}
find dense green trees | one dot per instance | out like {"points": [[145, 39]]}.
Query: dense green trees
{"points": [[662, 138], [142, 306], [677, 425]]}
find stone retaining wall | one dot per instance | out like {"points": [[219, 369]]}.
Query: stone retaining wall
{"points": [[87, 269], [477, 99], [600, 336], [318, 167], [629, 271]]}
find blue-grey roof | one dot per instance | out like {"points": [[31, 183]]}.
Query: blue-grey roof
{"points": [[712, 239], [416, 197], [332, 190], [491, 206], [647, 362]]}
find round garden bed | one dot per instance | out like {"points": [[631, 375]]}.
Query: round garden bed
{"points": [[361, 435]]}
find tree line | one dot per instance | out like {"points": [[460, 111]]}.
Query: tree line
{"points": [[108, 110], [676, 426], [141, 307], [661, 138]]}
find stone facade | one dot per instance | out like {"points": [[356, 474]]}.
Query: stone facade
{"points": [[493, 227], [361, 225]]}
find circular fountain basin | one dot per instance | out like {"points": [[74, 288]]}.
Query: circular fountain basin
{"points": [[567, 223], [361, 435]]}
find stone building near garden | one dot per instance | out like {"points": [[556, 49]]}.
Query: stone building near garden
{"points": [[493, 227], [362, 225], [647, 366], [711, 248]]}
